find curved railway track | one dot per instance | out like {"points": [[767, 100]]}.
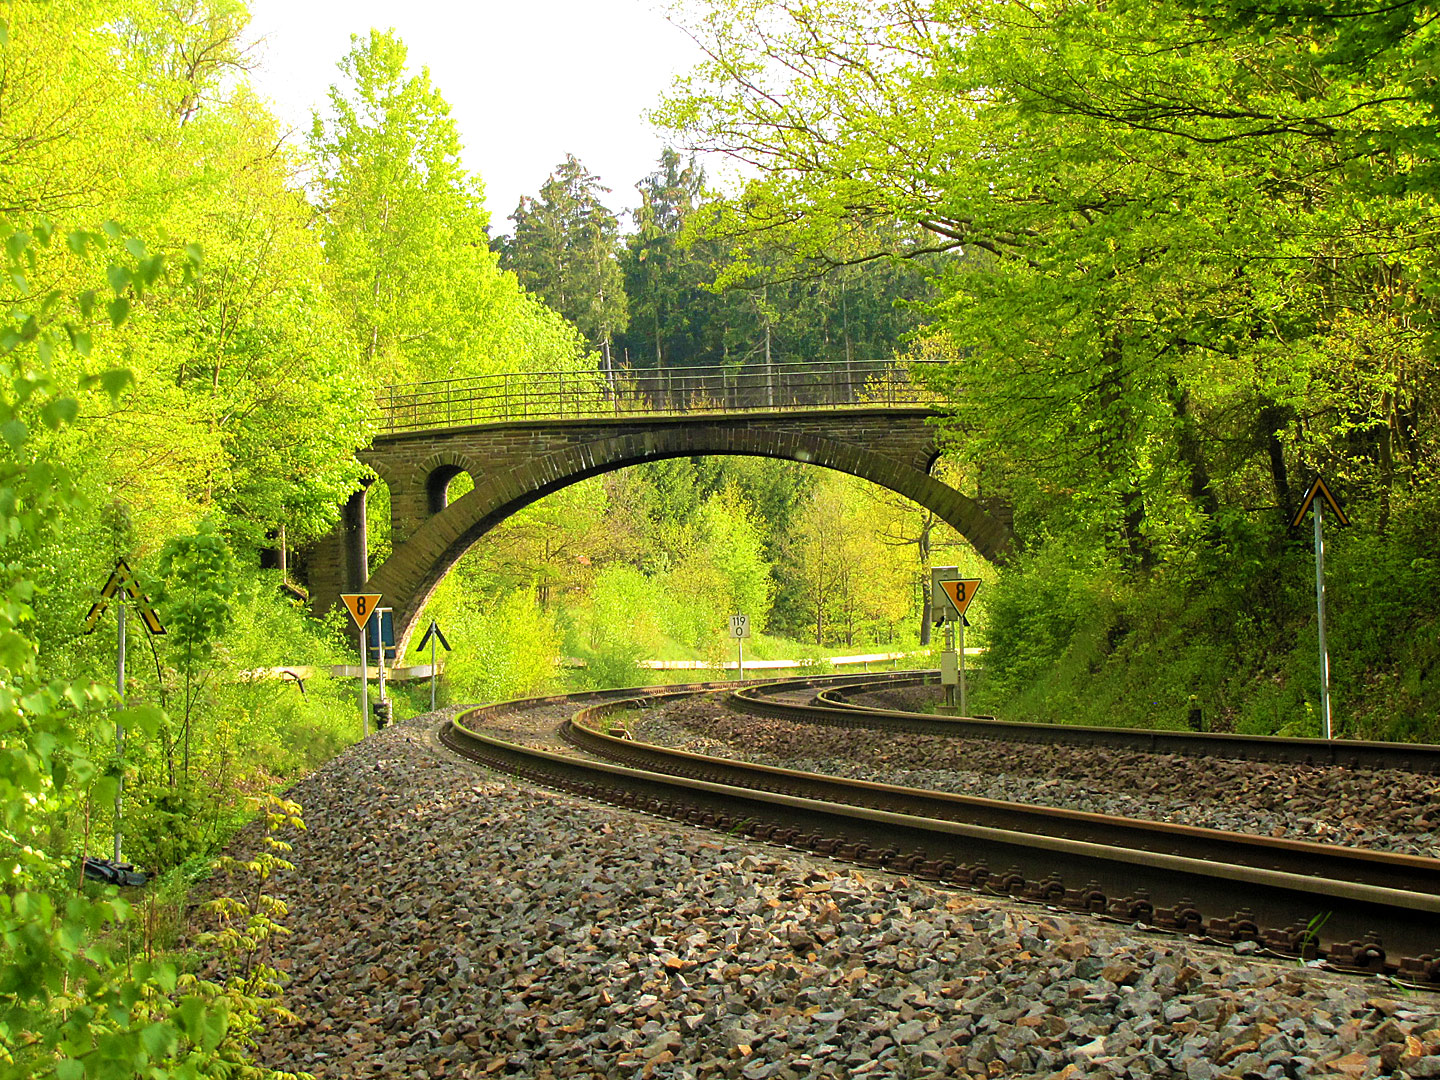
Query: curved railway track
{"points": [[833, 705], [1358, 909]]}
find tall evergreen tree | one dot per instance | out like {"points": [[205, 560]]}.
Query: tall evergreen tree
{"points": [[565, 250], [664, 279]]}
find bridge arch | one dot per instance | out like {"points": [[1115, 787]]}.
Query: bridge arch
{"points": [[528, 467]]}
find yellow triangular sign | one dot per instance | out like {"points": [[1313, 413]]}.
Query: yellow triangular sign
{"points": [[152, 621], [1319, 488], [93, 616], [361, 606], [960, 593], [122, 578]]}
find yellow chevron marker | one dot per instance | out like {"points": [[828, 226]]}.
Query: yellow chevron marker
{"points": [[1320, 488], [123, 578]]}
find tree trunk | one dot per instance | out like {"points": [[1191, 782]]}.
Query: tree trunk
{"points": [[1202, 494], [1269, 422]]}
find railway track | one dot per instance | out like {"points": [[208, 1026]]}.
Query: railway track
{"points": [[1359, 910], [834, 705]]}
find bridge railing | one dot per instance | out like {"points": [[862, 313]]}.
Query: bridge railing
{"points": [[556, 395]]}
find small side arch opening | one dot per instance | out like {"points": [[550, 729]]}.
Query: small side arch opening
{"points": [[437, 487]]}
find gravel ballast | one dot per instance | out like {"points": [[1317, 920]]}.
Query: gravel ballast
{"points": [[1393, 811], [451, 922]]}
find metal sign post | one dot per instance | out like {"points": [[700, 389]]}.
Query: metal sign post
{"points": [[1318, 488], [121, 584], [740, 630], [433, 635], [948, 667], [960, 653], [364, 687], [950, 596], [119, 727], [1320, 616], [382, 639], [361, 606], [379, 626]]}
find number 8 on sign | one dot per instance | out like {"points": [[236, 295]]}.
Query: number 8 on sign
{"points": [[960, 593], [361, 606]]}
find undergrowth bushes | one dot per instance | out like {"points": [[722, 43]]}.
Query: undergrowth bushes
{"points": [[1071, 642]]}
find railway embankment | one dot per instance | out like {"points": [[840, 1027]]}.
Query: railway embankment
{"points": [[447, 921]]}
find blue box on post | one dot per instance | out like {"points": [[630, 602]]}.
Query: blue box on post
{"points": [[380, 632]]}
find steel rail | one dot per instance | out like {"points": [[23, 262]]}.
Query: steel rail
{"points": [[1392, 870], [1288, 913], [832, 708]]}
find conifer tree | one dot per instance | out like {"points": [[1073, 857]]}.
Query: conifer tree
{"points": [[564, 250]]}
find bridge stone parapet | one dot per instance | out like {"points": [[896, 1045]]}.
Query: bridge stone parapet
{"points": [[515, 462]]}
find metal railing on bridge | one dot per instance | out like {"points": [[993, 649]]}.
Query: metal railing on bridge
{"points": [[723, 388]]}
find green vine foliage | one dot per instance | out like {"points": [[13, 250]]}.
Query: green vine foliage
{"points": [[76, 1000], [247, 920]]}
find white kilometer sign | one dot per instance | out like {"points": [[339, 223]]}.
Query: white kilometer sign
{"points": [[740, 630]]}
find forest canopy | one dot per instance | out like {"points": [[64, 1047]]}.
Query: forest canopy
{"points": [[1177, 258], [1184, 256]]}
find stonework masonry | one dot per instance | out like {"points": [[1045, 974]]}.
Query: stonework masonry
{"points": [[515, 463]]}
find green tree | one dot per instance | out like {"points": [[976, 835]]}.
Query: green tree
{"points": [[720, 569], [1170, 218], [73, 1001], [197, 586], [663, 280], [840, 576], [405, 236], [564, 251]]}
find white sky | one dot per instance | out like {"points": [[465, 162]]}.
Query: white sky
{"points": [[527, 83]]}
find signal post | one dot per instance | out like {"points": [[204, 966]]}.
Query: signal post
{"points": [[950, 596]]}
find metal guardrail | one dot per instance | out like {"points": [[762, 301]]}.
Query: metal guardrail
{"points": [[722, 388]]}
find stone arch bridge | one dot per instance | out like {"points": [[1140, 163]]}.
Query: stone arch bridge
{"points": [[521, 437]]}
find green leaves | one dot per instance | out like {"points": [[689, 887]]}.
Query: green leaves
{"points": [[113, 382], [59, 411], [202, 1022]]}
